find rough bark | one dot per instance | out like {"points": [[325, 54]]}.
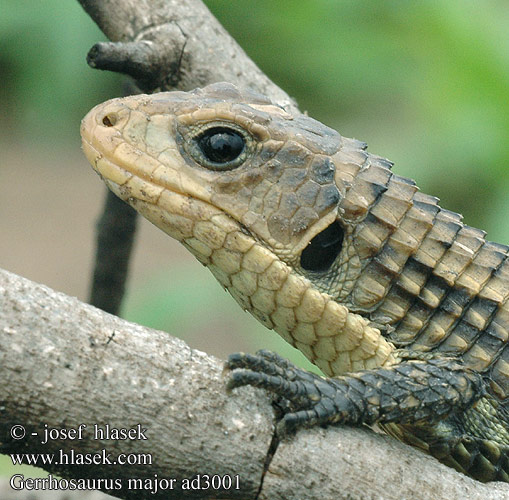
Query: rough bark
{"points": [[69, 363], [173, 44]]}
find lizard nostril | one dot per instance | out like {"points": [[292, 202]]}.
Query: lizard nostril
{"points": [[110, 119]]}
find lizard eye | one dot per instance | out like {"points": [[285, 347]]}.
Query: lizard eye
{"points": [[221, 147]]}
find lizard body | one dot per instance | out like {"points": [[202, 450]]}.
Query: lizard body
{"points": [[393, 296]]}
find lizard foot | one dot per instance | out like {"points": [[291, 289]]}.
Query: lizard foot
{"points": [[411, 392], [305, 399]]}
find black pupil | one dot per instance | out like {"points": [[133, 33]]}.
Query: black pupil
{"points": [[221, 145]]}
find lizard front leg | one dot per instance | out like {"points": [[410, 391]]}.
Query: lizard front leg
{"points": [[409, 392], [415, 394]]}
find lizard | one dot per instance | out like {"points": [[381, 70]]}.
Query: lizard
{"points": [[402, 306]]}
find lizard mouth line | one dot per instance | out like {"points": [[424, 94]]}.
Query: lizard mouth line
{"points": [[158, 203]]}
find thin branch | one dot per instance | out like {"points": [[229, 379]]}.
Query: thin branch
{"points": [[69, 363], [183, 44], [115, 240]]}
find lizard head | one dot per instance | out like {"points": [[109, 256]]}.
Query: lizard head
{"points": [[253, 192], [268, 170]]}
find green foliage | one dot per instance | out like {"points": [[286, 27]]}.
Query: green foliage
{"points": [[426, 84], [47, 86]]}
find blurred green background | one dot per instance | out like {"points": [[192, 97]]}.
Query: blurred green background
{"points": [[425, 84]]}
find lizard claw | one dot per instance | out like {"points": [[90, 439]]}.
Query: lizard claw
{"points": [[304, 398]]}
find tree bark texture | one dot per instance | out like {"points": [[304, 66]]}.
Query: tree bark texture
{"points": [[173, 44], [68, 363]]}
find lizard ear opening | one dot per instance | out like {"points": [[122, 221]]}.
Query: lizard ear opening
{"points": [[323, 249]]}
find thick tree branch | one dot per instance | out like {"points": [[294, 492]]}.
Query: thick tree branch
{"points": [[68, 364]]}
